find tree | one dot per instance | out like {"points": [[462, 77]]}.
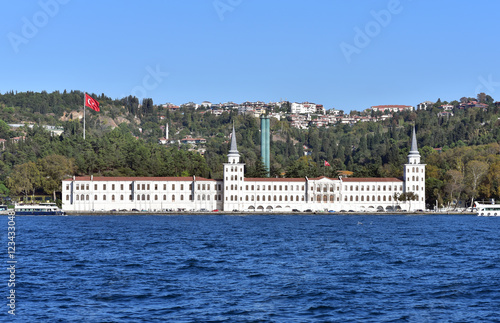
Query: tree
{"points": [[24, 178], [454, 183], [53, 169], [475, 171]]}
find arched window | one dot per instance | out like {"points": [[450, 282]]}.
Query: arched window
{"points": [[281, 198], [385, 198], [77, 197], [291, 198], [384, 188], [368, 198], [67, 197], [357, 198], [82, 197], [95, 197], [390, 198], [351, 198], [104, 197], [362, 198], [87, 197], [378, 198], [113, 197], [143, 197]]}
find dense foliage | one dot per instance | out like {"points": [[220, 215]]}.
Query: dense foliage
{"points": [[122, 140]]}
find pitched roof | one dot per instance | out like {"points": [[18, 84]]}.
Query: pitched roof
{"points": [[137, 179], [371, 179]]}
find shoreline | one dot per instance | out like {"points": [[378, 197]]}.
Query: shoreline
{"points": [[125, 213]]}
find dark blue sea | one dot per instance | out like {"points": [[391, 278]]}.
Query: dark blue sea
{"points": [[255, 268]]}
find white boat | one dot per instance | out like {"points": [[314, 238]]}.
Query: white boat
{"points": [[491, 209], [38, 209]]}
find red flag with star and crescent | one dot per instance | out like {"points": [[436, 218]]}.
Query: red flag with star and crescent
{"points": [[327, 163], [91, 103]]}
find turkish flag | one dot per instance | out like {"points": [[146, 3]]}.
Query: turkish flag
{"points": [[91, 103], [327, 163]]}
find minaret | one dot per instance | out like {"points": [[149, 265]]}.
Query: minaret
{"points": [[414, 176], [234, 178]]}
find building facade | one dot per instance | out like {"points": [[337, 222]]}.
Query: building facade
{"points": [[234, 192]]}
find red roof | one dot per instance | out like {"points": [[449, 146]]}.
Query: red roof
{"points": [[144, 178], [371, 179], [279, 179]]}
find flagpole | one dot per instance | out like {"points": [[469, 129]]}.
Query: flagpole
{"points": [[84, 115]]}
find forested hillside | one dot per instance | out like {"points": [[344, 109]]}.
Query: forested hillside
{"points": [[462, 151]]}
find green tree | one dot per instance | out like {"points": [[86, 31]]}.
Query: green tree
{"points": [[53, 169], [24, 178]]}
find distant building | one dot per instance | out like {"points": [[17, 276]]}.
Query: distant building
{"points": [[392, 108], [302, 108], [425, 105]]}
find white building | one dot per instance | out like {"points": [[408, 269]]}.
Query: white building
{"points": [[236, 193], [304, 107]]}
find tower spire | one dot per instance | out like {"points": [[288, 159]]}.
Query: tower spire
{"points": [[233, 149], [414, 155], [414, 148]]}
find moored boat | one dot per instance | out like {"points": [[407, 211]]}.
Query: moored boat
{"points": [[38, 209], [491, 209]]}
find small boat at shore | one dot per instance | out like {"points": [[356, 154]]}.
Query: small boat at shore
{"points": [[487, 209], [38, 209]]}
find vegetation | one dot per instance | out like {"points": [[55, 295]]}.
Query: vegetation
{"points": [[122, 140]]}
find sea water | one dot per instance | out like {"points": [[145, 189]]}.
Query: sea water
{"points": [[254, 268]]}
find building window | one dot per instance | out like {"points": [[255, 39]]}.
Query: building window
{"points": [[121, 187], [104, 197], [143, 197], [275, 198], [384, 188], [378, 198], [384, 198], [182, 187], [156, 187], [112, 198], [164, 187], [156, 197], [362, 198], [182, 197], [173, 198], [203, 187], [164, 197], [173, 187], [67, 197], [143, 187], [104, 187], [138, 197], [113, 187], [368, 187], [77, 197], [130, 197], [253, 187], [95, 197]]}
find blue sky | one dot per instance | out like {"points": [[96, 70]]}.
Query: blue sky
{"points": [[347, 55]]}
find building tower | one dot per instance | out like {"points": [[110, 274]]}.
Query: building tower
{"points": [[414, 177], [265, 142], [234, 177]]}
